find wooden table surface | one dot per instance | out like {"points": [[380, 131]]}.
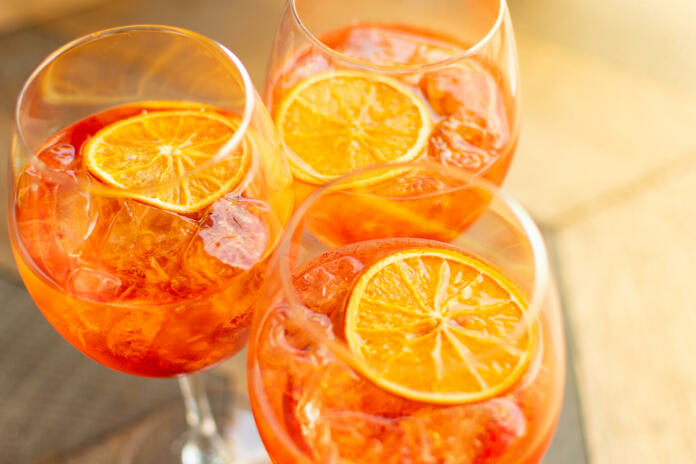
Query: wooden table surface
{"points": [[606, 164]]}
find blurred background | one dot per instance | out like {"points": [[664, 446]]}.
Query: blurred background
{"points": [[606, 165]]}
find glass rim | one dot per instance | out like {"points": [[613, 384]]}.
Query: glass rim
{"points": [[542, 272], [228, 147], [401, 68]]}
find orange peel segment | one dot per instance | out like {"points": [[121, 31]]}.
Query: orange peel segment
{"points": [[166, 158], [437, 326], [338, 121]]}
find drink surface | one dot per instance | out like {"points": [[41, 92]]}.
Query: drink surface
{"points": [[470, 116], [309, 401], [136, 286]]}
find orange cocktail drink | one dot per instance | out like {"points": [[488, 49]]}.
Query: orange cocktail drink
{"points": [[154, 282], [148, 189], [410, 350], [356, 84], [336, 120]]}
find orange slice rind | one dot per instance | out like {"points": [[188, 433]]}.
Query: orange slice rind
{"points": [[338, 121], [168, 158], [437, 326]]}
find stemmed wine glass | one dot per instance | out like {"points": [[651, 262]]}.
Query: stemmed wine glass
{"points": [[148, 190], [409, 347], [352, 84]]}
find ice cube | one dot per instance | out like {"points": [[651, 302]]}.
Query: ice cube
{"points": [[134, 331], [232, 238], [467, 140], [466, 85], [93, 284], [143, 243]]}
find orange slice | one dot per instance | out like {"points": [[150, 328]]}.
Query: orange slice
{"points": [[339, 121], [164, 158], [436, 326]]}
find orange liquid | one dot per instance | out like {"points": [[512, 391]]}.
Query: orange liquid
{"points": [[472, 113], [312, 407], [137, 288], [473, 126]]}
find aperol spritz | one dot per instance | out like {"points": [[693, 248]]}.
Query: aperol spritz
{"points": [[149, 283], [457, 115], [398, 350], [149, 189], [355, 84]]}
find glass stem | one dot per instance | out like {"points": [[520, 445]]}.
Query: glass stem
{"points": [[204, 445]]}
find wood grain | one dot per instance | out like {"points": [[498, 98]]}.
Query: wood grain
{"points": [[629, 270], [590, 127], [14, 13]]}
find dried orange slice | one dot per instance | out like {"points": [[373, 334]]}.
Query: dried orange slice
{"points": [[164, 158], [437, 326], [339, 121]]}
